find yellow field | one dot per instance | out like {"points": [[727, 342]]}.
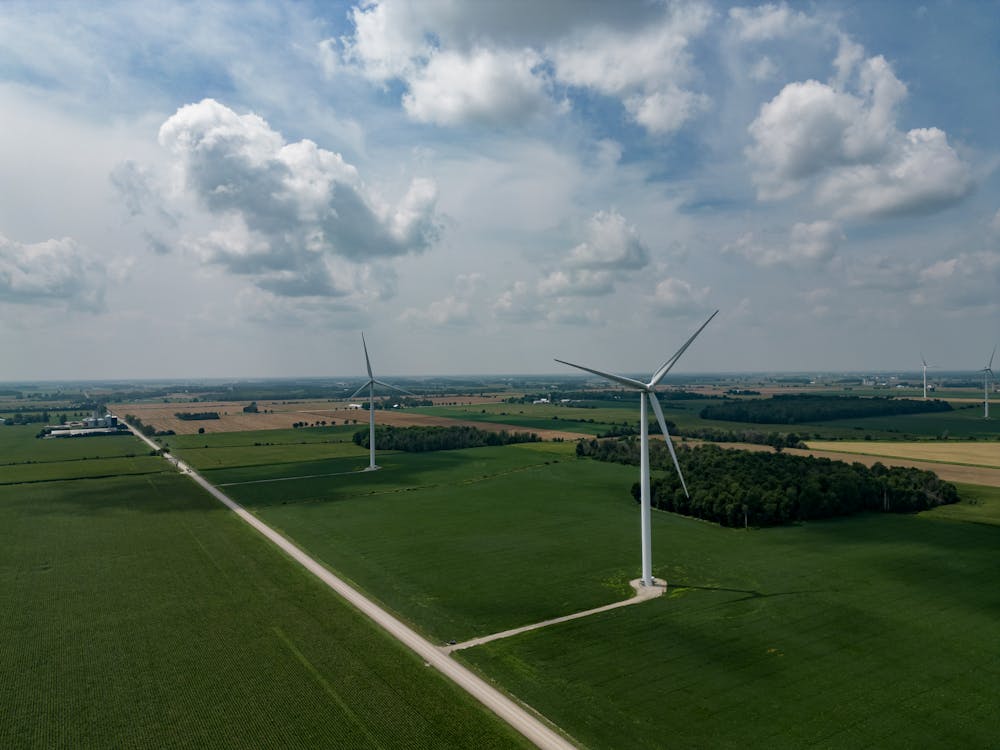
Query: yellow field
{"points": [[969, 454]]}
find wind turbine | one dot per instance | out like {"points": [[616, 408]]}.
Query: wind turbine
{"points": [[924, 361], [987, 374], [370, 385], [647, 390]]}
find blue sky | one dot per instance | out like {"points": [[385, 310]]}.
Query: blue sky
{"points": [[236, 190]]}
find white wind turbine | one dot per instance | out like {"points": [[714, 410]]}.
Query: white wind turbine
{"points": [[647, 390], [370, 385], [987, 374], [924, 361]]}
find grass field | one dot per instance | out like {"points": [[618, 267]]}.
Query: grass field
{"points": [[141, 614], [19, 445], [874, 630], [81, 469], [971, 454]]}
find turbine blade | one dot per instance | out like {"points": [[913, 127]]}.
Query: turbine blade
{"points": [[360, 389], [394, 387], [621, 379], [924, 360], [368, 363], [990, 365], [670, 443], [668, 365]]}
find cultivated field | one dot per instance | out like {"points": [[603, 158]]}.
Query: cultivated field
{"points": [[971, 454], [142, 614], [824, 634]]}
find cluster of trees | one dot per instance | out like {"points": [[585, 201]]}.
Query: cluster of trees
{"points": [[803, 407], [28, 417], [419, 439], [190, 416], [734, 487], [776, 440], [146, 429], [407, 402], [251, 408]]}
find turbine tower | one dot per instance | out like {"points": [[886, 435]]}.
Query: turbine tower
{"points": [[987, 374], [648, 390], [370, 385]]}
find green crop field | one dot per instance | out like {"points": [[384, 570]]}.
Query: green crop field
{"points": [[866, 632], [139, 613], [81, 469], [873, 630], [18, 444]]}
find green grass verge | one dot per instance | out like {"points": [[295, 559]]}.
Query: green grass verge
{"points": [[139, 613]]}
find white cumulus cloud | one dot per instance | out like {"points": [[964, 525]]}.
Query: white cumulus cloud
{"points": [[611, 243], [54, 272], [847, 147], [674, 296], [294, 216], [483, 86], [806, 243]]}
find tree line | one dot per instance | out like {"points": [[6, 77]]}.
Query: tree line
{"points": [[803, 407], [734, 487], [190, 416], [420, 439], [606, 395], [146, 429], [28, 417]]}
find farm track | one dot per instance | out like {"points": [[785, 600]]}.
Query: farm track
{"points": [[516, 716]]}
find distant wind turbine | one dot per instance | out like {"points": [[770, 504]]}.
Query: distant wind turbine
{"points": [[370, 385], [924, 361], [987, 374], [648, 390]]}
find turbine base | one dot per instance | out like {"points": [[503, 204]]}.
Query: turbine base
{"points": [[658, 588]]}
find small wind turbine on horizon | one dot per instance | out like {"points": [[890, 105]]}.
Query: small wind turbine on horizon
{"points": [[370, 385], [648, 390], [987, 374], [924, 361]]}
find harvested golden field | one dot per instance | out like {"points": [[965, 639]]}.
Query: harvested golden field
{"points": [[969, 453], [951, 472], [281, 415]]}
